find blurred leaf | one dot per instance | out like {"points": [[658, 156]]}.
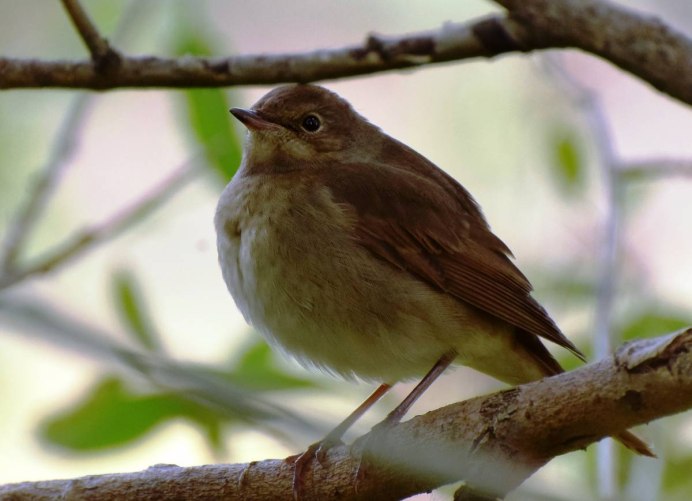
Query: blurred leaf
{"points": [[568, 161], [653, 323], [112, 416], [132, 310], [569, 361], [207, 112], [258, 369], [676, 475], [106, 15], [568, 285], [210, 390]]}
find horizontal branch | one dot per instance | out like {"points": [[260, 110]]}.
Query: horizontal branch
{"points": [[663, 168], [644, 46], [493, 442]]}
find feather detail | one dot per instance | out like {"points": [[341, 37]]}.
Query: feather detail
{"points": [[431, 227]]}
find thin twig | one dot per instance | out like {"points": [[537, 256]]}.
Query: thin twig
{"points": [[39, 192], [63, 147], [35, 317], [88, 238], [98, 46], [655, 169], [587, 101]]}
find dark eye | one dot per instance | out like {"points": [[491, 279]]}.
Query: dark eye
{"points": [[311, 123]]}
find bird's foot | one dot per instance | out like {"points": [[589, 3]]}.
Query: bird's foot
{"points": [[300, 462], [242, 479], [364, 448]]}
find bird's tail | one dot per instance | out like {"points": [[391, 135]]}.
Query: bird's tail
{"points": [[634, 443], [550, 367]]}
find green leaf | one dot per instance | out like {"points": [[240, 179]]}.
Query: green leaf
{"points": [[112, 416], [653, 323], [209, 119], [676, 476], [208, 114], [568, 161], [132, 310], [570, 286], [258, 369]]}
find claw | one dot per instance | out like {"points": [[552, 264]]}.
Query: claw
{"points": [[243, 476], [364, 446], [300, 462]]}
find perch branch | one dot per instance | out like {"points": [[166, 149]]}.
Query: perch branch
{"points": [[493, 442]]}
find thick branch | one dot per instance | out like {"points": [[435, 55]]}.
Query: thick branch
{"points": [[494, 442], [644, 46]]}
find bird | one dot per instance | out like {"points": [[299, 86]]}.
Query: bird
{"points": [[358, 256]]}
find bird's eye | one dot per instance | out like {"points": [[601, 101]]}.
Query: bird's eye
{"points": [[311, 123]]}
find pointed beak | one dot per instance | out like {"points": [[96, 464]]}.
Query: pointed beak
{"points": [[252, 120]]}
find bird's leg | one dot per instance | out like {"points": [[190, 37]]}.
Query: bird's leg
{"points": [[400, 410], [319, 449]]}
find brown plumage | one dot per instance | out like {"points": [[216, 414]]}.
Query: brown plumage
{"points": [[358, 255]]}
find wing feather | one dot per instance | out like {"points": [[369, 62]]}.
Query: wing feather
{"points": [[434, 230]]}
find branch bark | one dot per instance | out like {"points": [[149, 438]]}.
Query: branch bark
{"points": [[493, 442], [98, 46], [641, 45]]}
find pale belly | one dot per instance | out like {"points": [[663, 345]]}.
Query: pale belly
{"points": [[298, 278]]}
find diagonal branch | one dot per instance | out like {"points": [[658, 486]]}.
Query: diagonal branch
{"points": [[102, 54], [493, 442], [48, 178], [641, 45], [86, 239], [39, 192]]}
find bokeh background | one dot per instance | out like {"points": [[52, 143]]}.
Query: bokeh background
{"points": [[133, 353]]}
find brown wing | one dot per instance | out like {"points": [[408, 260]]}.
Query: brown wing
{"points": [[428, 225]]}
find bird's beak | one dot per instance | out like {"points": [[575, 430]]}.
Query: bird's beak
{"points": [[252, 120]]}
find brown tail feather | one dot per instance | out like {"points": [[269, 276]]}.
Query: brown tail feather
{"points": [[550, 367], [634, 443]]}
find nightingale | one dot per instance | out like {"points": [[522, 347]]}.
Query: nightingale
{"points": [[358, 256]]}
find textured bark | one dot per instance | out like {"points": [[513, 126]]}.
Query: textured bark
{"points": [[493, 442], [639, 44]]}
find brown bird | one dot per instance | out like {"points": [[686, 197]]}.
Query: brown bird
{"points": [[357, 255]]}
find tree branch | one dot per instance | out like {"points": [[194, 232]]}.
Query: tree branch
{"points": [[39, 192], [102, 54], [493, 442], [87, 238], [642, 45], [663, 168]]}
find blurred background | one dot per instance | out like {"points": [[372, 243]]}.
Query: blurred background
{"points": [[125, 350]]}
